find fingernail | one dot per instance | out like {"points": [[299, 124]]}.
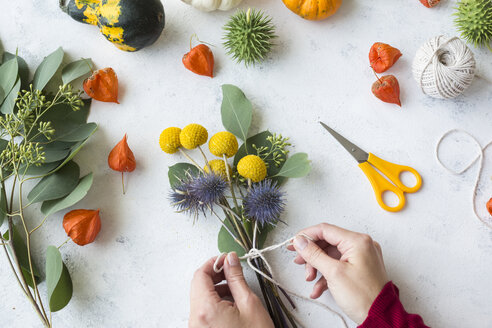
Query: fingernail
{"points": [[232, 259], [300, 242]]}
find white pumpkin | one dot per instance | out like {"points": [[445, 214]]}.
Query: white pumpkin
{"points": [[211, 5]]}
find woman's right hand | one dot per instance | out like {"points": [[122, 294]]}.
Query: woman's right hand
{"points": [[351, 265]]}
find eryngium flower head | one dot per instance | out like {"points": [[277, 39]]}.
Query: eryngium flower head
{"points": [[208, 188], [196, 194], [183, 200], [264, 202]]}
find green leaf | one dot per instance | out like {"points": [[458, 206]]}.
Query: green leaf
{"points": [[56, 185], [8, 76], [57, 150], [81, 133], [76, 69], [64, 120], [40, 170], [3, 206], [22, 255], [55, 154], [226, 242], [296, 166], [2, 94], [236, 111], [260, 140], [58, 281], [75, 149], [47, 69], [3, 145], [9, 102], [178, 171], [23, 68], [51, 206]]}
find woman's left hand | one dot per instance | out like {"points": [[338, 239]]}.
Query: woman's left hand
{"points": [[210, 309]]}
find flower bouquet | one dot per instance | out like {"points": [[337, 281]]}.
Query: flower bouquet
{"points": [[244, 193]]}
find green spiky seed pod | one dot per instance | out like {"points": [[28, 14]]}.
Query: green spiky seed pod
{"points": [[474, 21], [249, 35]]}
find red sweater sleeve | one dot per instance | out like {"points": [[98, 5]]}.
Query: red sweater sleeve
{"points": [[388, 312]]}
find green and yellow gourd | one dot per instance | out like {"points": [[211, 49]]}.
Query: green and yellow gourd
{"points": [[129, 24]]}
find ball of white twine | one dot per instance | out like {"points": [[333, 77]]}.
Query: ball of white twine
{"points": [[444, 67]]}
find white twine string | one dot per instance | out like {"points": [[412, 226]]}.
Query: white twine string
{"points": [[444, 69], [255, 253], [479, 157]]}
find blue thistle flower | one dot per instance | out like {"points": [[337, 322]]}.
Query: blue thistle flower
{"points": [[264, 202], [183, 200], [196, 194], [208, 188]]}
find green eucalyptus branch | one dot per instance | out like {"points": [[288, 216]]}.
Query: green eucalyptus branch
{"points": [[23, 130]]}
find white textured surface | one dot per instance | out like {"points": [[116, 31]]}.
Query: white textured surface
{"points": [[138, 271]]}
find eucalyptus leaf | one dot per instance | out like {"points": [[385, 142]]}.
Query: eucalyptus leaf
{"points": [[296, 166], [9, 101], [47, 69], [22, 255], [178, 171], [76, 69], [3, 205], [56, 185], [8, 75], [260, 140], [75, 149], [51, 206], [55, 155], [64, 120], [2, 94], [58, 280], [236, 111], [81, 133], [3, 145], [57, 151], [39, 170], [226, 242], [23, 68]]}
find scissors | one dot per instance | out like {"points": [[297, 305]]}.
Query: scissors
{"points": [[369, 162]]}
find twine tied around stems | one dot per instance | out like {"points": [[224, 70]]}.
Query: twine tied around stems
{"points": [[255, 253], [480, 157]]}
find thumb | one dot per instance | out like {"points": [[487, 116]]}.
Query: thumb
{"points": [[233, 272], [314, 255]]}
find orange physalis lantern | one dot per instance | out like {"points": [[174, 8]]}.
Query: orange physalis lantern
{"points": [[82, 226], [200, 60], [382, 56], [121, 159], [102, 85]]}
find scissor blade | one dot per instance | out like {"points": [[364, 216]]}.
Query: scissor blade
{"points": [[359, 155]]}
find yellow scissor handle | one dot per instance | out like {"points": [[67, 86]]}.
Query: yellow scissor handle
{"points": [[393, 171], [380, 185]]}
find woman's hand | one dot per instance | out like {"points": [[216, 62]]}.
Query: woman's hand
{"points": [[209, 307], [351, 265]]}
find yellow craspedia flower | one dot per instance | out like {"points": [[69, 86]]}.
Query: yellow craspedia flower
{"points": [[252, 167], [223, 143], [193, 135], [169, 140], [217, 166]]}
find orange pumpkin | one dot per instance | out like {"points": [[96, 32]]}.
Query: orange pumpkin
{"points": [[313, 9]]}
